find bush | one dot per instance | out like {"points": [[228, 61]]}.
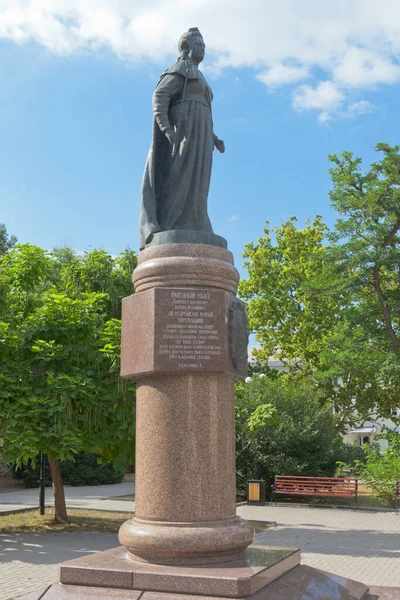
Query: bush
{"points": [[284, 427], [30, 475], [85, 470], [381, 472], [350, 459]]}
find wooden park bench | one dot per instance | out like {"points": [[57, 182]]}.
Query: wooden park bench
{"points": [[397, 494], [324, 487]]}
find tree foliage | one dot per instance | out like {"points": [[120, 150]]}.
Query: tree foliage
{"points": [[368, 257], [6, 242], [283, 427], [83, 470], [362, 268], [60, 390], [289, 318], [328, 303], [380, 470]]}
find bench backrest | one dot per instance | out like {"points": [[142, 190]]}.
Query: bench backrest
{"points": [[315, 485]]}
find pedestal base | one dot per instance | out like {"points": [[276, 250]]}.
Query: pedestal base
{"points": [[185, 544], [238, 579], [265, 573]]}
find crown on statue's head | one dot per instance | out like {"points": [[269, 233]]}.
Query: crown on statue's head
{"points": [[185, 39]]}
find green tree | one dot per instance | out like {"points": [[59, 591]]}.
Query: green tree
{"points": [[283, 427], [328, 303], [98, 272], [290, 320], [369, 229], [60, 390], [6, 242], [362, 268]]}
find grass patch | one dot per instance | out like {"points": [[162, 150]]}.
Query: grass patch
{"points": [[366, 499], [128, 497], [80, 520]]}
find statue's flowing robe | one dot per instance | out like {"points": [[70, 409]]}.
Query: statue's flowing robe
{"points": [[175, 188]]}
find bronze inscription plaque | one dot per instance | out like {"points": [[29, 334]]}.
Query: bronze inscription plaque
{"points": [[190, 332]]}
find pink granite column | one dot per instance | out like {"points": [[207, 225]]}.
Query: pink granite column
{"points": [[176, 344]]}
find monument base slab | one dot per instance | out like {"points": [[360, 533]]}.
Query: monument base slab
{"points": [[237, 579], [265, 573]]}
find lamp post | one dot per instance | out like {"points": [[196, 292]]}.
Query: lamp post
{"points": [[41, 484]]}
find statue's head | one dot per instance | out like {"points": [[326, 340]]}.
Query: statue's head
{"points": [[191, 45]]}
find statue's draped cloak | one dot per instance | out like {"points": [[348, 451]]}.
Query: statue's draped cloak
{"points": [[175, 188]]}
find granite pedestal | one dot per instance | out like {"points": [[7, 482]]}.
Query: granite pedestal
{"points": [[180, 344]]}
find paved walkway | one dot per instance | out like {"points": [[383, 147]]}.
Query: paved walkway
{"points": [[94, 496], [360, 545], [29, 561]]}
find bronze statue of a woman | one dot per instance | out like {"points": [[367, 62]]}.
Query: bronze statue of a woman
{"points": [[178, 169]]}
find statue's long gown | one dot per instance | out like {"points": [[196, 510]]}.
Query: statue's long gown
{"points": [[175, 189]]}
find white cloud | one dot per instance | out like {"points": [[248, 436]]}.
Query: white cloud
{"points": [[282, 74], [342, 45], [362, 107], [233, 217], [363, 68], [324, 117], [325, 96]]}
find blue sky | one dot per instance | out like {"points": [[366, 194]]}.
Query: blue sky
{"points": [[76, 113]]}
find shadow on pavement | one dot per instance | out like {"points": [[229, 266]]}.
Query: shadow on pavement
{"points": [[52, 548], [351, 542]]}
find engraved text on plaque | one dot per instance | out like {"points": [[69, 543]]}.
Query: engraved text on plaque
{"points": [[190, 332]]}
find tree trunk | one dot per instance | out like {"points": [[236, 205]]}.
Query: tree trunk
{"points": [[60, 508], [386, 309]]}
